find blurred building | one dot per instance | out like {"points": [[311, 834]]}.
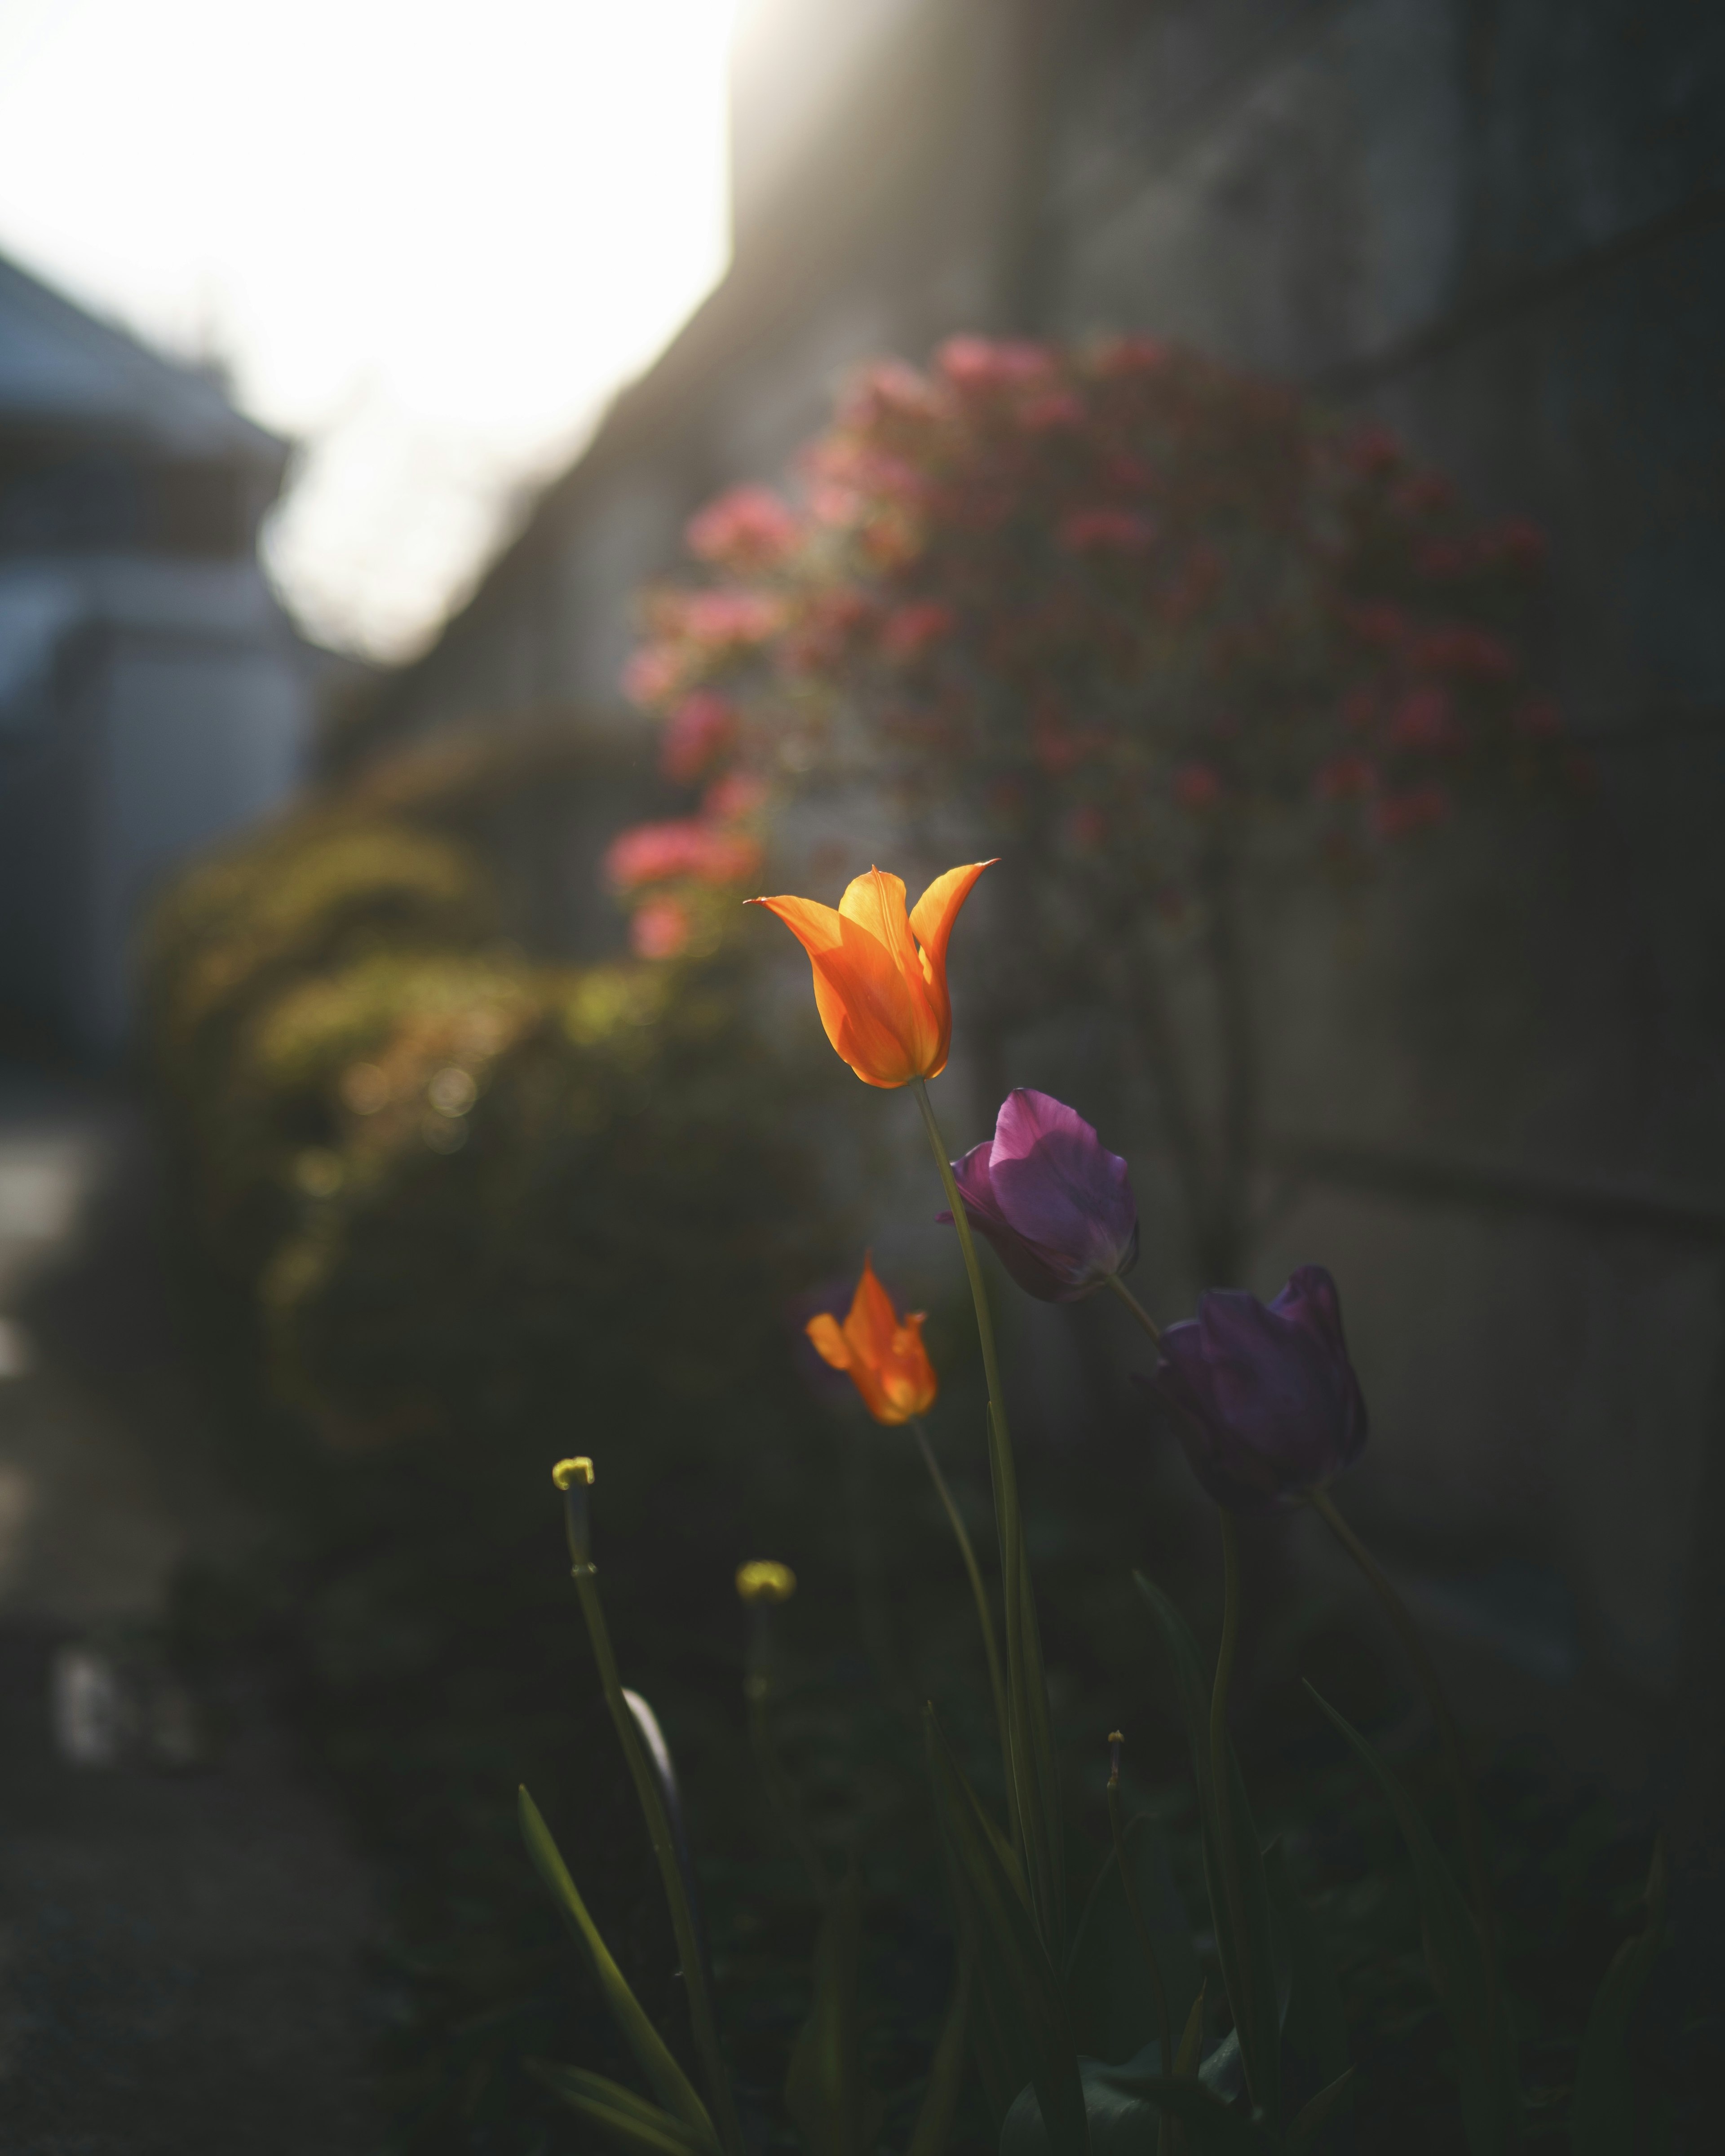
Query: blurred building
{"points": [[1501, 228], [153, 696]]}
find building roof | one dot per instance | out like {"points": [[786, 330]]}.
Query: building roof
{"points": [[63, 368]]}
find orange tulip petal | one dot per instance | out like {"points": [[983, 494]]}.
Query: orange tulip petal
{"points": [[876, 902], [932, 916], [830, 1343], [869, 1012], [872, 1320], [815, 927], [882, 1001]]}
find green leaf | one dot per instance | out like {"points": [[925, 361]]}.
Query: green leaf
{"points": [[1312, 2115], [1191, 2045], [1314, 2030], [946, 2077], [1051, 1865], [626, 2119], [1603, 2113], [1018, 1986], [1189, 1676], [1260, 2044], [676, 2092], [1110, 1996], [1258, 2017], [1455, 1959], [1122, 2110], [825, 2093]]}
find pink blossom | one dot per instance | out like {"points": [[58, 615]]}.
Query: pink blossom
{"points": [[1106, 532], [1345, 778], [1416, 810], [734, 798], [731, 616], [1442, 560], [1378, 622], [1537, 719], [702, 727], [974, 362], [888, 388], [664, 853], [747, 528], [1132, 355], [1372, 450], [1197, 787], [908, 632], [1471, 654], [652, 675], [659, 929], [1055, 408], [1517, 542], [1424, 720], [1423, 492]]}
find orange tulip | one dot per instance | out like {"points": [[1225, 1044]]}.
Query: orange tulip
{"points": [[880, 975], [886, 1358]]}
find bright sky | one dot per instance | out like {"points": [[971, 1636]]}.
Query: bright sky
{"points": [[426, 239]]}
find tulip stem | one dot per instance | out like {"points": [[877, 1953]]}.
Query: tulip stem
{"points": [[1227, 1856], [1129, 1886], [1135, 1306], [700, 2011], [997, 1683], [1449, 1736], [1032, 1791], [757, 1692]]}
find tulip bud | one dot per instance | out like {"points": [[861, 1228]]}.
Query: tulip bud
{"points": [[764, 1579], [1269, 1408], [1052, 1200]]}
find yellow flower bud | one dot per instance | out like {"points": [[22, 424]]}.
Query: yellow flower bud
{"points": [[762, 1579], [578, 1469]]}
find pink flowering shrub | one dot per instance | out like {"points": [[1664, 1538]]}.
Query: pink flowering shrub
{"points": [[1109, 600]]}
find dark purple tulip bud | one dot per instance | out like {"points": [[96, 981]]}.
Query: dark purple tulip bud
{"points": [[1268, 1405], [1051, 1198]]}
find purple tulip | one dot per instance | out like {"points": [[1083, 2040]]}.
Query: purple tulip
{"points": [[1269, 1407], [1050, 1198]]}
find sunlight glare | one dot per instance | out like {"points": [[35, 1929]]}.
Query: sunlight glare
{"points": [[426, 239]]}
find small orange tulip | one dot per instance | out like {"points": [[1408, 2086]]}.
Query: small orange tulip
{"points": [[881, 975], [886, 1360]]}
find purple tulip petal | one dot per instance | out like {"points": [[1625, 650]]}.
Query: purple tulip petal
{"points": [[1268, 1405], [1060, 1188], [974, 1177]]}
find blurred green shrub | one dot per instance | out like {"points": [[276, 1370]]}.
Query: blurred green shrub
{"points": [[463, 1186], [451, 1207]]}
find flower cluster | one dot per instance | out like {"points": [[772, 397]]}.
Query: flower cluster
{"points": [[1125, 602]]}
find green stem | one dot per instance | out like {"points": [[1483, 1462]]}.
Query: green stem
{"points": [[1031, 1792], [1164, 2020], [1449, 1736], [1136, 1308], [700, 2011], [757, 1690], [997, 1683], [1227, 1856]]}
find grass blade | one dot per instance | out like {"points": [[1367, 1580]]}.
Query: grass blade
{"points": [[1014, 1973], [830, 2101], [675, 2091], [1491, 2092], [627, 2120], [1603, 2111]]}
